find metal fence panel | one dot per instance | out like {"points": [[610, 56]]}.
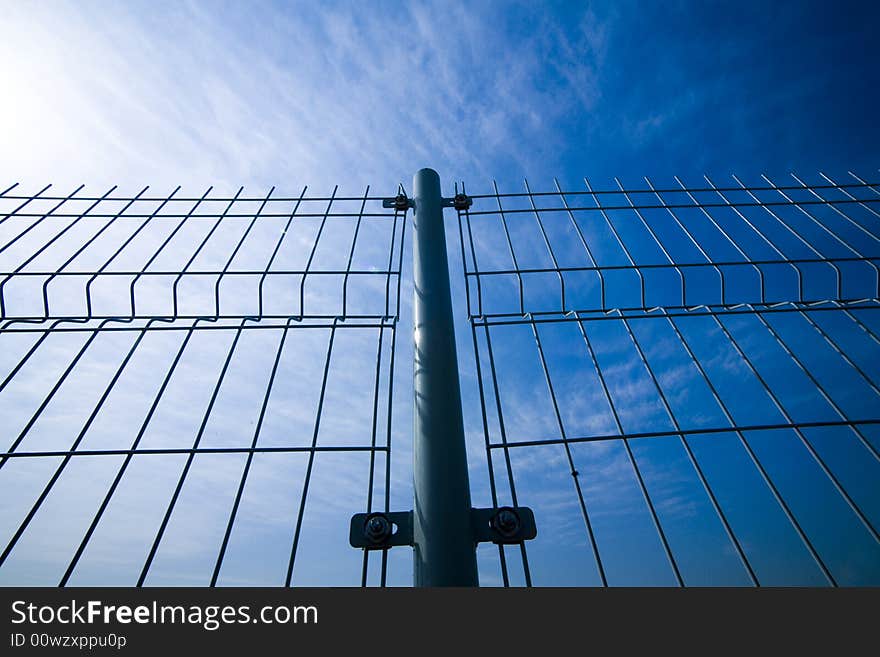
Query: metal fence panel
{"points": [[680, 380]]}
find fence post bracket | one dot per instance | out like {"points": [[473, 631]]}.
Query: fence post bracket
{"points": [[399, 202], [380, 531], [504, 525], [459, 202]]}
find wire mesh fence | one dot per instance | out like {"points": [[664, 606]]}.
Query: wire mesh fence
{"points": [[681, 381], [194, 387], [699, 363]]}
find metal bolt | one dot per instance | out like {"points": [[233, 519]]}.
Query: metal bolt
{"points": [[506, 522], [377, 528], [401, 202], [461, 202]]}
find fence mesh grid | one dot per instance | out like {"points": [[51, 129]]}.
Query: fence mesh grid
{"points": [[699, 362], [681, 381], [180, 371]]}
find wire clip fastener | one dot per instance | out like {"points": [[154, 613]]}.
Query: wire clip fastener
{"points": [[459, 202], [399, 202]]}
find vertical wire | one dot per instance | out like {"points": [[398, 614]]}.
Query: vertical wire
{"points": [[573, 470], [281, 238], [843, 215], [522, 308], [190, 456], [399, 261], [523, 550], [733, 242], [88, 243], [162, 246], [250, 456], [82, 433], [821, 390], [691, 456], [702, 251], [824, 467], [626, 444], [659, 243], [846, 311], [384, 565], [770, 392], [751, 453], [357, 228], [128, 457], [40, 220], [45, 246], [199, 248], [27, 201], [492, 487], [373, 430], [302, 285], [871, 187], [388, 271], [236, 249], [820, 224], [583, 242], [619, 242], [305, 492], [772, 245], [464, 267], [116, 253], [35, 416], [859, 434], [793, 232], [391, 365], [506, 447], [467, 216], [853, 222], [575, 475], [844, 190], [547, 243], [30, 352], [630, 455], [840, 351]]}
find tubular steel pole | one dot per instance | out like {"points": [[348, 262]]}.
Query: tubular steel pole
{"points": [[443, 539]]}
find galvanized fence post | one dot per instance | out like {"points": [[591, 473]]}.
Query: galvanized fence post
{"points": [[442, 528], [445, 548]]}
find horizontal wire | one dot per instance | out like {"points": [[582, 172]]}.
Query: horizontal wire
{"points": [[667, 265], [198, 450], [652, 206], [355, 321], [231, 272], [700, 310], [225, 199], [245, 215], [672, 190], [288, 199], [686, 432]]}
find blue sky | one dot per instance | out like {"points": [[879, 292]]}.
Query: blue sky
{"points": [[318, 94], [176, 92]]}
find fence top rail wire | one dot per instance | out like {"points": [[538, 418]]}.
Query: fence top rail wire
{"points": [[571, 192], [722, 245], [148, 263]]}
